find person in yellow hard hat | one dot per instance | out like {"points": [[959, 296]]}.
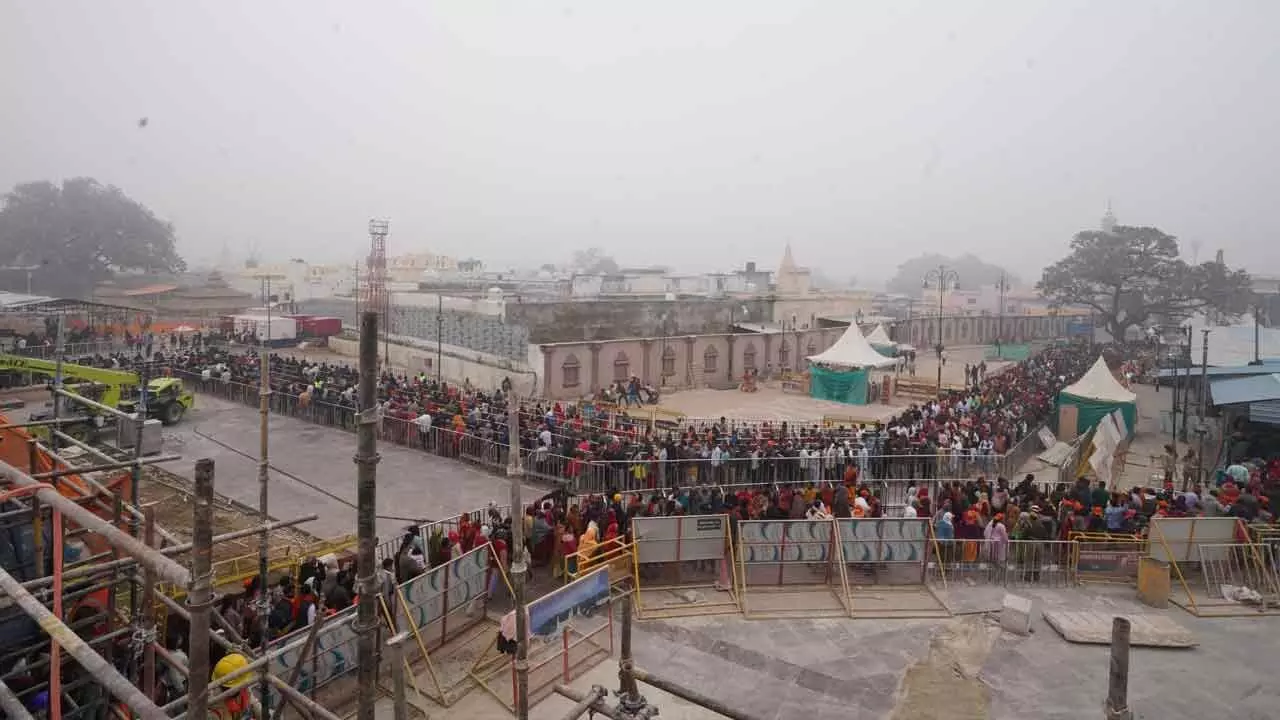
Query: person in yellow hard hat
{"points": [[236, 706]]}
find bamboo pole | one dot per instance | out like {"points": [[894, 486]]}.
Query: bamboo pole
{"points": [[200, 596]]}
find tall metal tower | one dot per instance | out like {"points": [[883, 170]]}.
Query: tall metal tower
{"points": [[374, 295]]}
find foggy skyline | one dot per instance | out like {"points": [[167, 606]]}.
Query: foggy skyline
{"points": [[695, 135]]}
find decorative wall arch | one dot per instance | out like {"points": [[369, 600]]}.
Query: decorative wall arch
{"points": [[570, 371], [668, 361], [749, 357], [710, 360], [621, 366]]}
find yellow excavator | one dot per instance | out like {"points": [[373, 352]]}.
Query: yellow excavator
{"points": [[167, 399]]}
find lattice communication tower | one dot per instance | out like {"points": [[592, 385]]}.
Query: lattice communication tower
{"points": [[374, 296]]}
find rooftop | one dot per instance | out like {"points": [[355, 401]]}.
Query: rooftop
{"points": [[1237, 391]]}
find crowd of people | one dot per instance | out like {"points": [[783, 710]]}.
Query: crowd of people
{"points": [[963, 433]]}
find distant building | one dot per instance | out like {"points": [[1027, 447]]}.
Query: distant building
{"points": [[190, 301]]}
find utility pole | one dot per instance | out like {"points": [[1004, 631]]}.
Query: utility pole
{"points": [[366, 511], [264, 478], [1186, 387], [439, 336], [1002, 288], [518, 566], [1201, 431]]}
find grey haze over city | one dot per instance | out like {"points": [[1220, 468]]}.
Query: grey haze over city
{"points": [[693, 134]]}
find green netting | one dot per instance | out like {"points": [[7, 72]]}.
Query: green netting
{"points": [[1016, 353], [1089, 412], [846, 386]]}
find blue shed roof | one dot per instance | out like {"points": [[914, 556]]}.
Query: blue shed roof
{"points": [[1246, 390]]}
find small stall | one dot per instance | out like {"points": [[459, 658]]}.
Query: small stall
{"points": [[842, 372]]}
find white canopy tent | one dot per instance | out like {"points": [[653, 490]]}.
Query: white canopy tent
{"points": [[853, 351], [878, 336], [1100, 384]]}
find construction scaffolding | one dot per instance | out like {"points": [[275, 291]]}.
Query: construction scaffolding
{"points": [[92, 622]]}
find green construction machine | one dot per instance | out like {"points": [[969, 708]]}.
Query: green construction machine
{"points": [[167, 399]]}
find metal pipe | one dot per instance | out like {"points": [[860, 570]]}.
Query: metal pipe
{"points": [[300, 700], [598, 706], [115, 465], [231, 644], [586, 704], [147, 618], [126, 563], [264, 477], [366, 515], [200, 596], [692, 696], [166, 570], [58, 392], [396, 647], [93, 663], [518, 566], [99, 487], [12, 706], [627, 687]]}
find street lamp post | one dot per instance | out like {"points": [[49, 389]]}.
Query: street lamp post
{"points": [[1003, 289], [942, 277]]}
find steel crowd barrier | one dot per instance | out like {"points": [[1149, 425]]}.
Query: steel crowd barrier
{"points": [[589, 475], [1013, 563]]}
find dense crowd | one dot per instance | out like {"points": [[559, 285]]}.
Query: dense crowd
{"points": [[962, 433]]}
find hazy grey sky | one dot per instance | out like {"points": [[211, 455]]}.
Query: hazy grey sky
{"points": [[701, 134]]}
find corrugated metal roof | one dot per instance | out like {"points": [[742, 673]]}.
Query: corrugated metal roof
{"points": [[1267, 411], [1268, 366], [149, 290], [1259, 388], [14, 301]]}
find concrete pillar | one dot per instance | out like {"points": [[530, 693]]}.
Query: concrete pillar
{"points": [[688, 360], [729, 361], [762, 362], [547, 352], [595, 366]]}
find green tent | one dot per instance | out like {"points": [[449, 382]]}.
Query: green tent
{"points": [[1097, 395], [843, 371]]}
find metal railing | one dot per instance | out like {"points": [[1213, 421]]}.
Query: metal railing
{"points": [[590, 474], [1012, 563]]}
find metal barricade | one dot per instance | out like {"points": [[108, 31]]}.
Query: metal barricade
{"points": [[1108, 557], [789, 568], [1015, 563]]}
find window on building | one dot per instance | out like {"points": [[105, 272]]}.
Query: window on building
{"points": [[784, 354], [621, 367], [749, 357], [813, 348], [668, 361], [709, 359], [569, 370]]}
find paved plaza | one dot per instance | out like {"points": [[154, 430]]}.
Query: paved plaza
{"points": [[412, 485], [772, 404], [962, 668]]}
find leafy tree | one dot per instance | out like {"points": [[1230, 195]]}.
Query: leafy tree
{"points": [[80, 233], [594, 260], [973, 272], [1133, 275]]}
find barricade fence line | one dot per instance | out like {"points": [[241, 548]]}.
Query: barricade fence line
{"points": [[597, 475]]}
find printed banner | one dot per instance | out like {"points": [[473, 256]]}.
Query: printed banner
{"points": [[446, 589], [676, 539], [883, 540], [784, 541], [580, 598]]}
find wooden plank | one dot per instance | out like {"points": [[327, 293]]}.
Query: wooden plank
{"points": [[1095, 629]]}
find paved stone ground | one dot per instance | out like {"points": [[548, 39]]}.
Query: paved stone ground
{"points": [[959, 668], [411, 485]]}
